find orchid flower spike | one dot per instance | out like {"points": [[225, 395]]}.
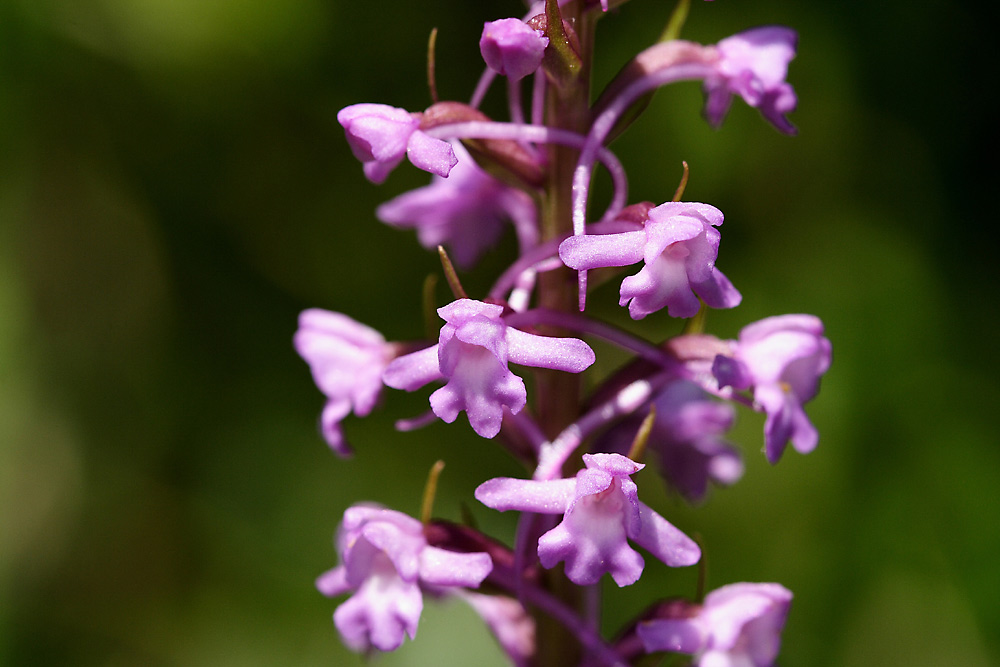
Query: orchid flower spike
{"points": [[782, 358], [346, 359], [753, 64], [384, 562], [380, 136], [601, 512], [473, 350], [739, 625], [679, 245]]}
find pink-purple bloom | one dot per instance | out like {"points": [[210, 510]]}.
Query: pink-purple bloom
{"points": [[384, 562], [679, 244], [464, 212], [782, 358], [473, 350], [753, 64], [687, 436], [380, 137], [346, 359], [738, 625], [512, 48], [601, 512]]}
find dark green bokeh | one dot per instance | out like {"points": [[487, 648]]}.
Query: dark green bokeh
{"points": [[174, 189]]}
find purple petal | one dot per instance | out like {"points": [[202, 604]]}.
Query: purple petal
{"points": [[507, 619], [345, 357], [784, 358], [687, 437], [768, 358], [718, 99], [680, 230], [591, 551], [775, 104], [758, 331], [333, 412], [377, 172], [319, 321], [481, 386], [564, 354], [464, 309], [414, 370], [745, 621], [663, 283], [377, 131], [402, 547], [449, 568], [479, 330], [663, 540], [766, 51], [333, 582], [731, 372], [506, 493], [717, 291], [379, 616], [592, 251], [472, 354], [591, 538], [753, 64], [786, 420], [706, 213], [433, 155], [613, 464], [592, 481], [677, 635]]}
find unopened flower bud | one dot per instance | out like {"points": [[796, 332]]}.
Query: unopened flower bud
{"points": [[512, 48]]}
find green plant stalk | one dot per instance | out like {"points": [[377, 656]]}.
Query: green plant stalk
{"points": [[558, 394]]}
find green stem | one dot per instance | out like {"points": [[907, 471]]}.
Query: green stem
{"points": [[567, 108], [557, 395]]}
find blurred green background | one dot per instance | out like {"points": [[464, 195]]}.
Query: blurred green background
{"points": [[174, 189]]}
